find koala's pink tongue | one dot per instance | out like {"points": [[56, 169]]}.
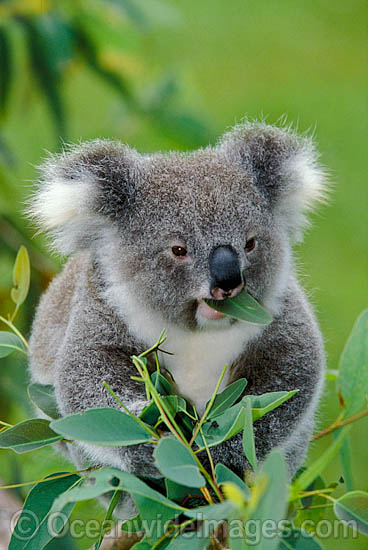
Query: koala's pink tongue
{"points": [[208, 312]]}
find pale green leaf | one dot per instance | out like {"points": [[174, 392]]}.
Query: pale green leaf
{"points": [[177, 463], [243, 307], [21, 276], [28, 435], [105, 426]]}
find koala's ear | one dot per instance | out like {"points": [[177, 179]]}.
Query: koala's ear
{"points": [[283, 166], [81, 190]]}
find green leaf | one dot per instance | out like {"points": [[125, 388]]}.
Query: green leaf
{"points": [[28, 435], [352, 382], [195, 540], [176, 491], [213, 512], [105, 426], [273, 503], [227, 397], [177, 463], [223, 427], [149, 502], [21, 276], [243, 307], [162, 385], [10, 342], [43, 396], [298, 539], [151, 413], [316, 468], [263, 404], [36, 512], [6, 69], [225, 475], [345, 460], [353, 507], [231, 422], [248, 436]]}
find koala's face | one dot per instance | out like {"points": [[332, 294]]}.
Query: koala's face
{"points": [[174, 229], [198, 228]]}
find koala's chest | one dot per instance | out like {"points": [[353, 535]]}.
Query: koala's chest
{"points": [[198, 361]]}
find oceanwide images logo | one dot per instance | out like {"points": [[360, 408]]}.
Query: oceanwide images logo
{"points": [[57, 525]]}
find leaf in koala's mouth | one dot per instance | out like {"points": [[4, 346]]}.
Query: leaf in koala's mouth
{"points": [[243, 307]]}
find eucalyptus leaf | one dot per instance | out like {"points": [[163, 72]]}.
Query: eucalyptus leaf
{"points": [[223, 427], [353, 507], [161, 384], [225, 475], [36, 513], [227, 398], [21, 276], [298, 539], [243, 307], [248, 436], [105, 426], [151, 413], [28, 435], [177, 463], [10, 342], [273, 502], [149, 502], [43, 396], [178, 492], [352, 381], [263, 404]]}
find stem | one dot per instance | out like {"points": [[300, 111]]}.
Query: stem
{"points": [[337, 424], [14, 313], [209, 406], [50, 478], [15, 330], [140, 422], [315, 506], [161, 340], [5, 424]]}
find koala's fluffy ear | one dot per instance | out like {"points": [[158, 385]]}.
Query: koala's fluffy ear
{"points": [[81, 190], [283, 165]]}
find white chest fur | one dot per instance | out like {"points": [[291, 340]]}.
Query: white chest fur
{"points": [[199, 358]]}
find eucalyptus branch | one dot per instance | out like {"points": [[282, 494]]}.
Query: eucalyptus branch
{"points": [[336, 425], [50, 478]]}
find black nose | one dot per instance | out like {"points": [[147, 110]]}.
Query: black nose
{"points": [[226, 279]]}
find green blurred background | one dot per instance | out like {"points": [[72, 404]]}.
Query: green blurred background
{"points": [[159, 75]]}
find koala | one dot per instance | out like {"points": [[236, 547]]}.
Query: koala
{"points": [[150, 237]]}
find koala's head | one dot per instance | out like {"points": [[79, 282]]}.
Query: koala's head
{"points": [[172, 229]]}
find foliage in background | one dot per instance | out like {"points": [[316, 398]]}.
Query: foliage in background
{"points": [[189, 497]]}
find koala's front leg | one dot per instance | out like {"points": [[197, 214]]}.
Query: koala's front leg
{"points": [[80, 372]]}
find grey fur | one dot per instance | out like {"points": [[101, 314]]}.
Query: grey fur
{"points": [[118, 213]]}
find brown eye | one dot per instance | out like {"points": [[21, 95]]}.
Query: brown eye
{"points": [[250, 245], [179, 251]]}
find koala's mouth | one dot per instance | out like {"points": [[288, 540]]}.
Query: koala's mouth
{"points": [[207, 312]]}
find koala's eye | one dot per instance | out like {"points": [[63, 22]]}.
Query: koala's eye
{"points": [[179, 251], [250, 245]]}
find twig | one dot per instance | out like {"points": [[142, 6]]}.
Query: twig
{"points": [[337, 425]]}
